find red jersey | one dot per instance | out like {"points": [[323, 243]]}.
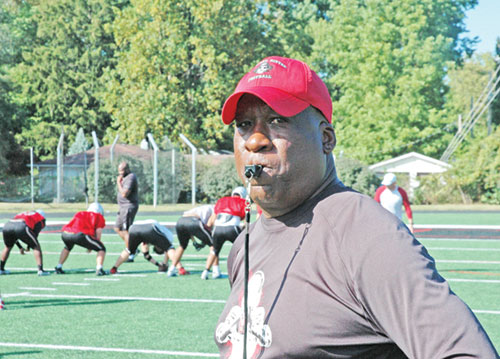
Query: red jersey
{"points": [[85, 222], [31, 219], [231, 205]]}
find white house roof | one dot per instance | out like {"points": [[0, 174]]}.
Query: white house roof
{"points": [[412, 162]]}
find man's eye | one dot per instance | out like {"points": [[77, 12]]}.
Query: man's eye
{"points": [[278, 120], [243, 124]]}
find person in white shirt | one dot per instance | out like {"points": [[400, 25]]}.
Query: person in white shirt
{"points": [[392, 198]]}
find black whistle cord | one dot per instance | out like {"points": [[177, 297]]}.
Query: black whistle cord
{"points": [[250, 172], [247, 269]]}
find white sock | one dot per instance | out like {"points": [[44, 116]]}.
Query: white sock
{"points": [[98, 267], [215, 269], [59, 266]]}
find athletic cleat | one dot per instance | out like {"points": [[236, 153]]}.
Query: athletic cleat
{"points": [[59, 270], [182, 271], [216, 275], [42, 273], [204, 275], [100, 272], [4, 272], [113, 270], [162, 268], [172, 272]]}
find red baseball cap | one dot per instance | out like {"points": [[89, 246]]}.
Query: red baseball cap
{"points": [[286, 85]]}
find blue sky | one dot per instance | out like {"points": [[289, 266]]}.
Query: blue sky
{"points": [[484, 21]]}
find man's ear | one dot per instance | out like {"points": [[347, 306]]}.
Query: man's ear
{"points": [[328, 137]]}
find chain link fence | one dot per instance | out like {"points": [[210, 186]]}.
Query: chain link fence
{"points": [[73, 180]]}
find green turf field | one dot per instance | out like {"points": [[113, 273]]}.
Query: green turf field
{"points": [[143, 314], [139, 309]]}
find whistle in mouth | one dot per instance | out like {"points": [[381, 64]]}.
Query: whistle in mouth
{"points": [[253, 171]]}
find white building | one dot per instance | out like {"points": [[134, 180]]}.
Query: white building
{"points": [[414, 164]]}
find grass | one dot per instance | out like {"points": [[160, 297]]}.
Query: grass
{"points": [[148, 315], [140, 322]]}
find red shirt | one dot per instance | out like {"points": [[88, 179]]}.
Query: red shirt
{"points": [[231, 205], [85, 222], [31, 219]]}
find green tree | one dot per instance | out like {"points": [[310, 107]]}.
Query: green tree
{"points": [[467, 83], [385, 63], [80, 144], [177, 62], [60, 73], [13, 34]]}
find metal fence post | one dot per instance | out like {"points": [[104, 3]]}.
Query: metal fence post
{"points": [[32, 179], [59, 166], [96, 166], [193, 167], [112, 148], [155, 168], [173, 174]]}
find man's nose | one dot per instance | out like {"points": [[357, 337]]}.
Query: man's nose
{"points": [[258, 141]]}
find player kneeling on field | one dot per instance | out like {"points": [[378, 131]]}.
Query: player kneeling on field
{"points": [[193, 224], [85, 230], [227, 225], [25, 227], [149, 232]]}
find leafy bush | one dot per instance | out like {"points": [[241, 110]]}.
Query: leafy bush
{"points": [[357, 175], [474, 177], [439, 188], [218, 180]]}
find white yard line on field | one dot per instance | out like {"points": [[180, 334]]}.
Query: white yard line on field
{"points": [[423, 239], [116, 350], [37, 288], [465, 261], [456, 226], [104, 279], [473, 280], [67, 283], [496, 312]]}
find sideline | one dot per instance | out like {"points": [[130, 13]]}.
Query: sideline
{"points": [[116, 350]]}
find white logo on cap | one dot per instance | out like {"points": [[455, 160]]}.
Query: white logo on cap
{"points": [[263, 67]]}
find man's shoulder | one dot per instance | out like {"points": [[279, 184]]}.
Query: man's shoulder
{"points": [[131, 176], [348, 205]]}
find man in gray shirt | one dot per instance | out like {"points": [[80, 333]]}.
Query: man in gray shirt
{"points": [[128, 202], [332, 274]]}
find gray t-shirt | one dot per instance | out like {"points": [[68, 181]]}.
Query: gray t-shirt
{"points": [[340, 277], [129, 183]]}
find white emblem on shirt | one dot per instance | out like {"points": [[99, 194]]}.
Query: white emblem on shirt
{"points": [[258, 334]]}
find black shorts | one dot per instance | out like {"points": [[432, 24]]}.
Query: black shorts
{"points": [[147, 233], [17, 229], [125, 218], [83, 240], [191, 226], [222, 234]]}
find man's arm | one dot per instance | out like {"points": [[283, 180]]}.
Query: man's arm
{"points": [[406, 299], [98, 234], [378, 192], [124, 192], [406, 204], [211, 220], [21, 249]]}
